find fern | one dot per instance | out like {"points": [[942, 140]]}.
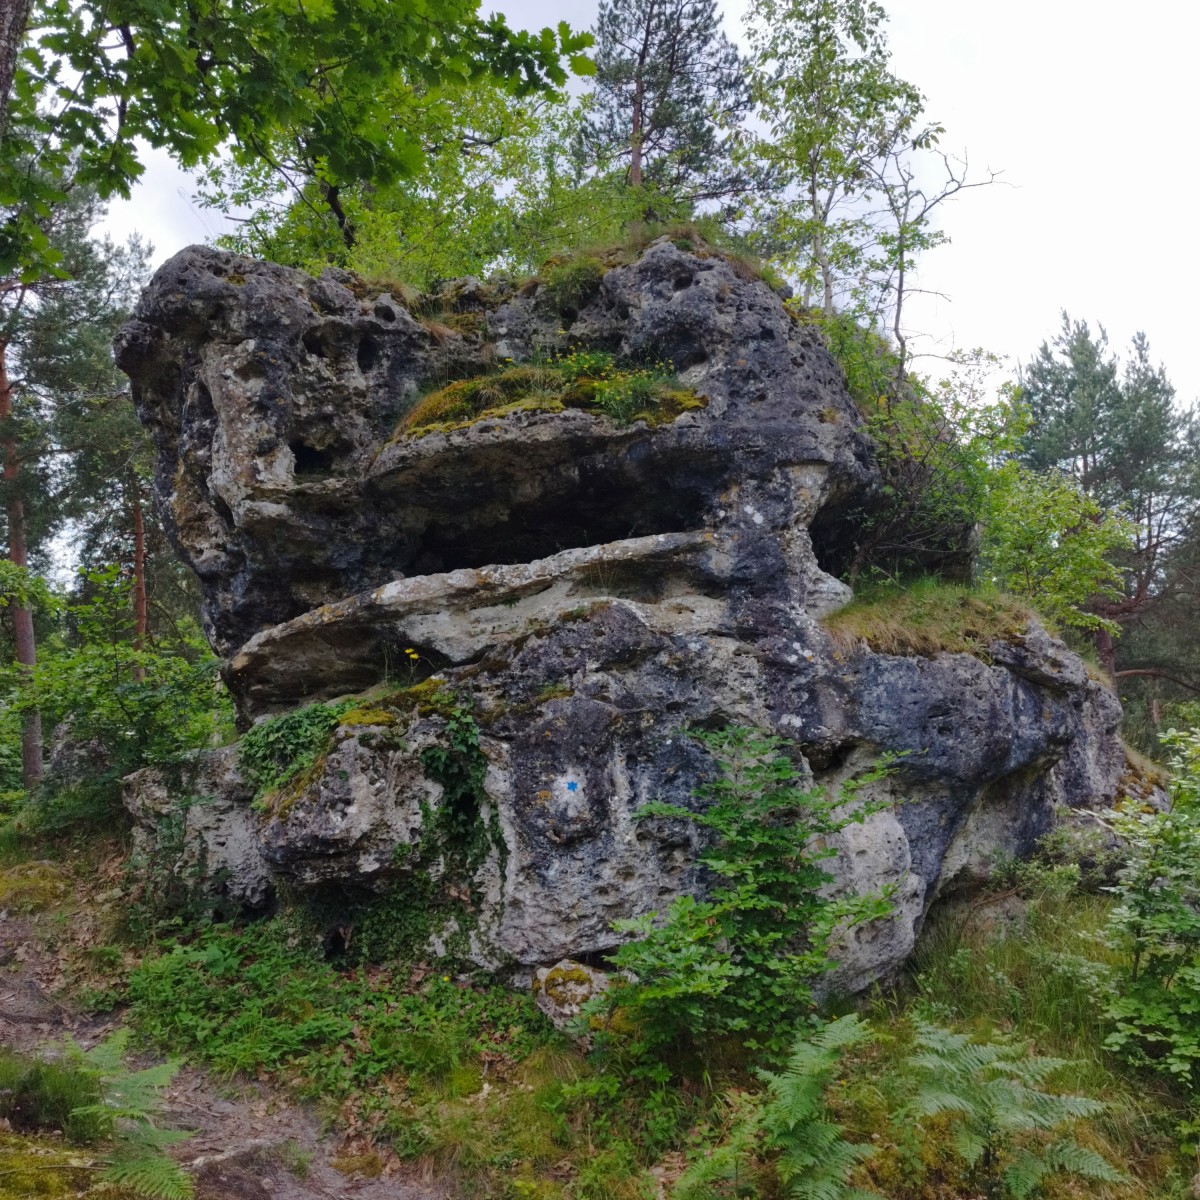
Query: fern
{"points": [[791, 1121], [814, 1158], [130, 1104], [154, 1176], [994, 1093]]}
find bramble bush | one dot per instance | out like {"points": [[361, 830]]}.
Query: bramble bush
{"points": [[127, 707]]}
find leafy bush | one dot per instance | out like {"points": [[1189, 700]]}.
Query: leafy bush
{"points": [[744, 960], [1156, 1007], [935, 442], [1048, 542], [275, 751]]}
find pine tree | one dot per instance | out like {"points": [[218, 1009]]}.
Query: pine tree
{"points": [[57, 378], [670, 86], [1121, 436]]}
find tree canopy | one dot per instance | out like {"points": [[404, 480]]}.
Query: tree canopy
{"points": [[331, 80]]}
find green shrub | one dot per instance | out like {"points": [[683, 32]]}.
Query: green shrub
{"points": [[1156, 1008], [275, 751], [743, 961]]}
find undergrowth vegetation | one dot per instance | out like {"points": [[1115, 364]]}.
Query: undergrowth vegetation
{"points": [[91, 1100], [1008, 1063]]}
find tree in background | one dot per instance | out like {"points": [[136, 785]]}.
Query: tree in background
{"points": [[327, 81], [1118, 433], [56, 328], [670, 92], [835, 112], [1049, 542]]}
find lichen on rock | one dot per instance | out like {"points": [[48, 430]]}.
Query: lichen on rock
{"points": [[582, 589]]}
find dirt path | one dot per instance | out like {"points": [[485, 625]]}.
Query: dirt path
{"points": [[248, 1143]]}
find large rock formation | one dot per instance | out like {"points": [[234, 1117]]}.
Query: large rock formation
{"points": [[586, 588]]}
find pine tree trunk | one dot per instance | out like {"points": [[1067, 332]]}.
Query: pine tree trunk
{"points": [[141, 619], [639, 102], [1105, 652], [14, 17], [18, 552]]}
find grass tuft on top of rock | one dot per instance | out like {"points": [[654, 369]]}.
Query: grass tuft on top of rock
{"points": [[929, 617]]}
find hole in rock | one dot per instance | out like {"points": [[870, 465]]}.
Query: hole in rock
{"points": [[385, 312], [829, 758], [314, 343], [336, 942], [834, 541], [368, 354], [310, 460]]}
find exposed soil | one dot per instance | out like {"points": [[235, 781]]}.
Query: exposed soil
{"points": [[247, 1143]]}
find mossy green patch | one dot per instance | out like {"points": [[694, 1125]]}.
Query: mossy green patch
{"points": [[32, 886], [35, 1167], [367, 716], [589, 380]]}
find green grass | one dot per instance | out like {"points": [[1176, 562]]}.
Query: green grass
{"points": [[37, 1095], [929, 617]]}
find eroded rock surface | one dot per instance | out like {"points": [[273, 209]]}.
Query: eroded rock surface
{"points": [[585, 590]]}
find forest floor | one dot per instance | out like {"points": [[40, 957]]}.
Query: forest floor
{"points": [[247, 1142]]}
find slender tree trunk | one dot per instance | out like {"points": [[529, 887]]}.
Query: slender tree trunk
{"points": [[14, 17], [1104, 649], [639, 103], [18, 552], [141, 621], [635, 142]]}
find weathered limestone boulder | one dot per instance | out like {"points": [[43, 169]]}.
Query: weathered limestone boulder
{"points": [[197, 821], [562, 990], [540, 604]]}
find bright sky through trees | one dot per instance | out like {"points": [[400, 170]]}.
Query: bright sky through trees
{"points": [[1086, 107]]}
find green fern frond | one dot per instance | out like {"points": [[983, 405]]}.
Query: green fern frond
{"points": [[814, 1157], [155, 1177], [994, 1092], [108, 1056]]}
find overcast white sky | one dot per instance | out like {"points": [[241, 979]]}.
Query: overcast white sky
{"points": [[1089, 108]]}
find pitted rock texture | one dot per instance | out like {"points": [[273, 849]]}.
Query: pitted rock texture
{"points": [[587, 590], [273, 399]]}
